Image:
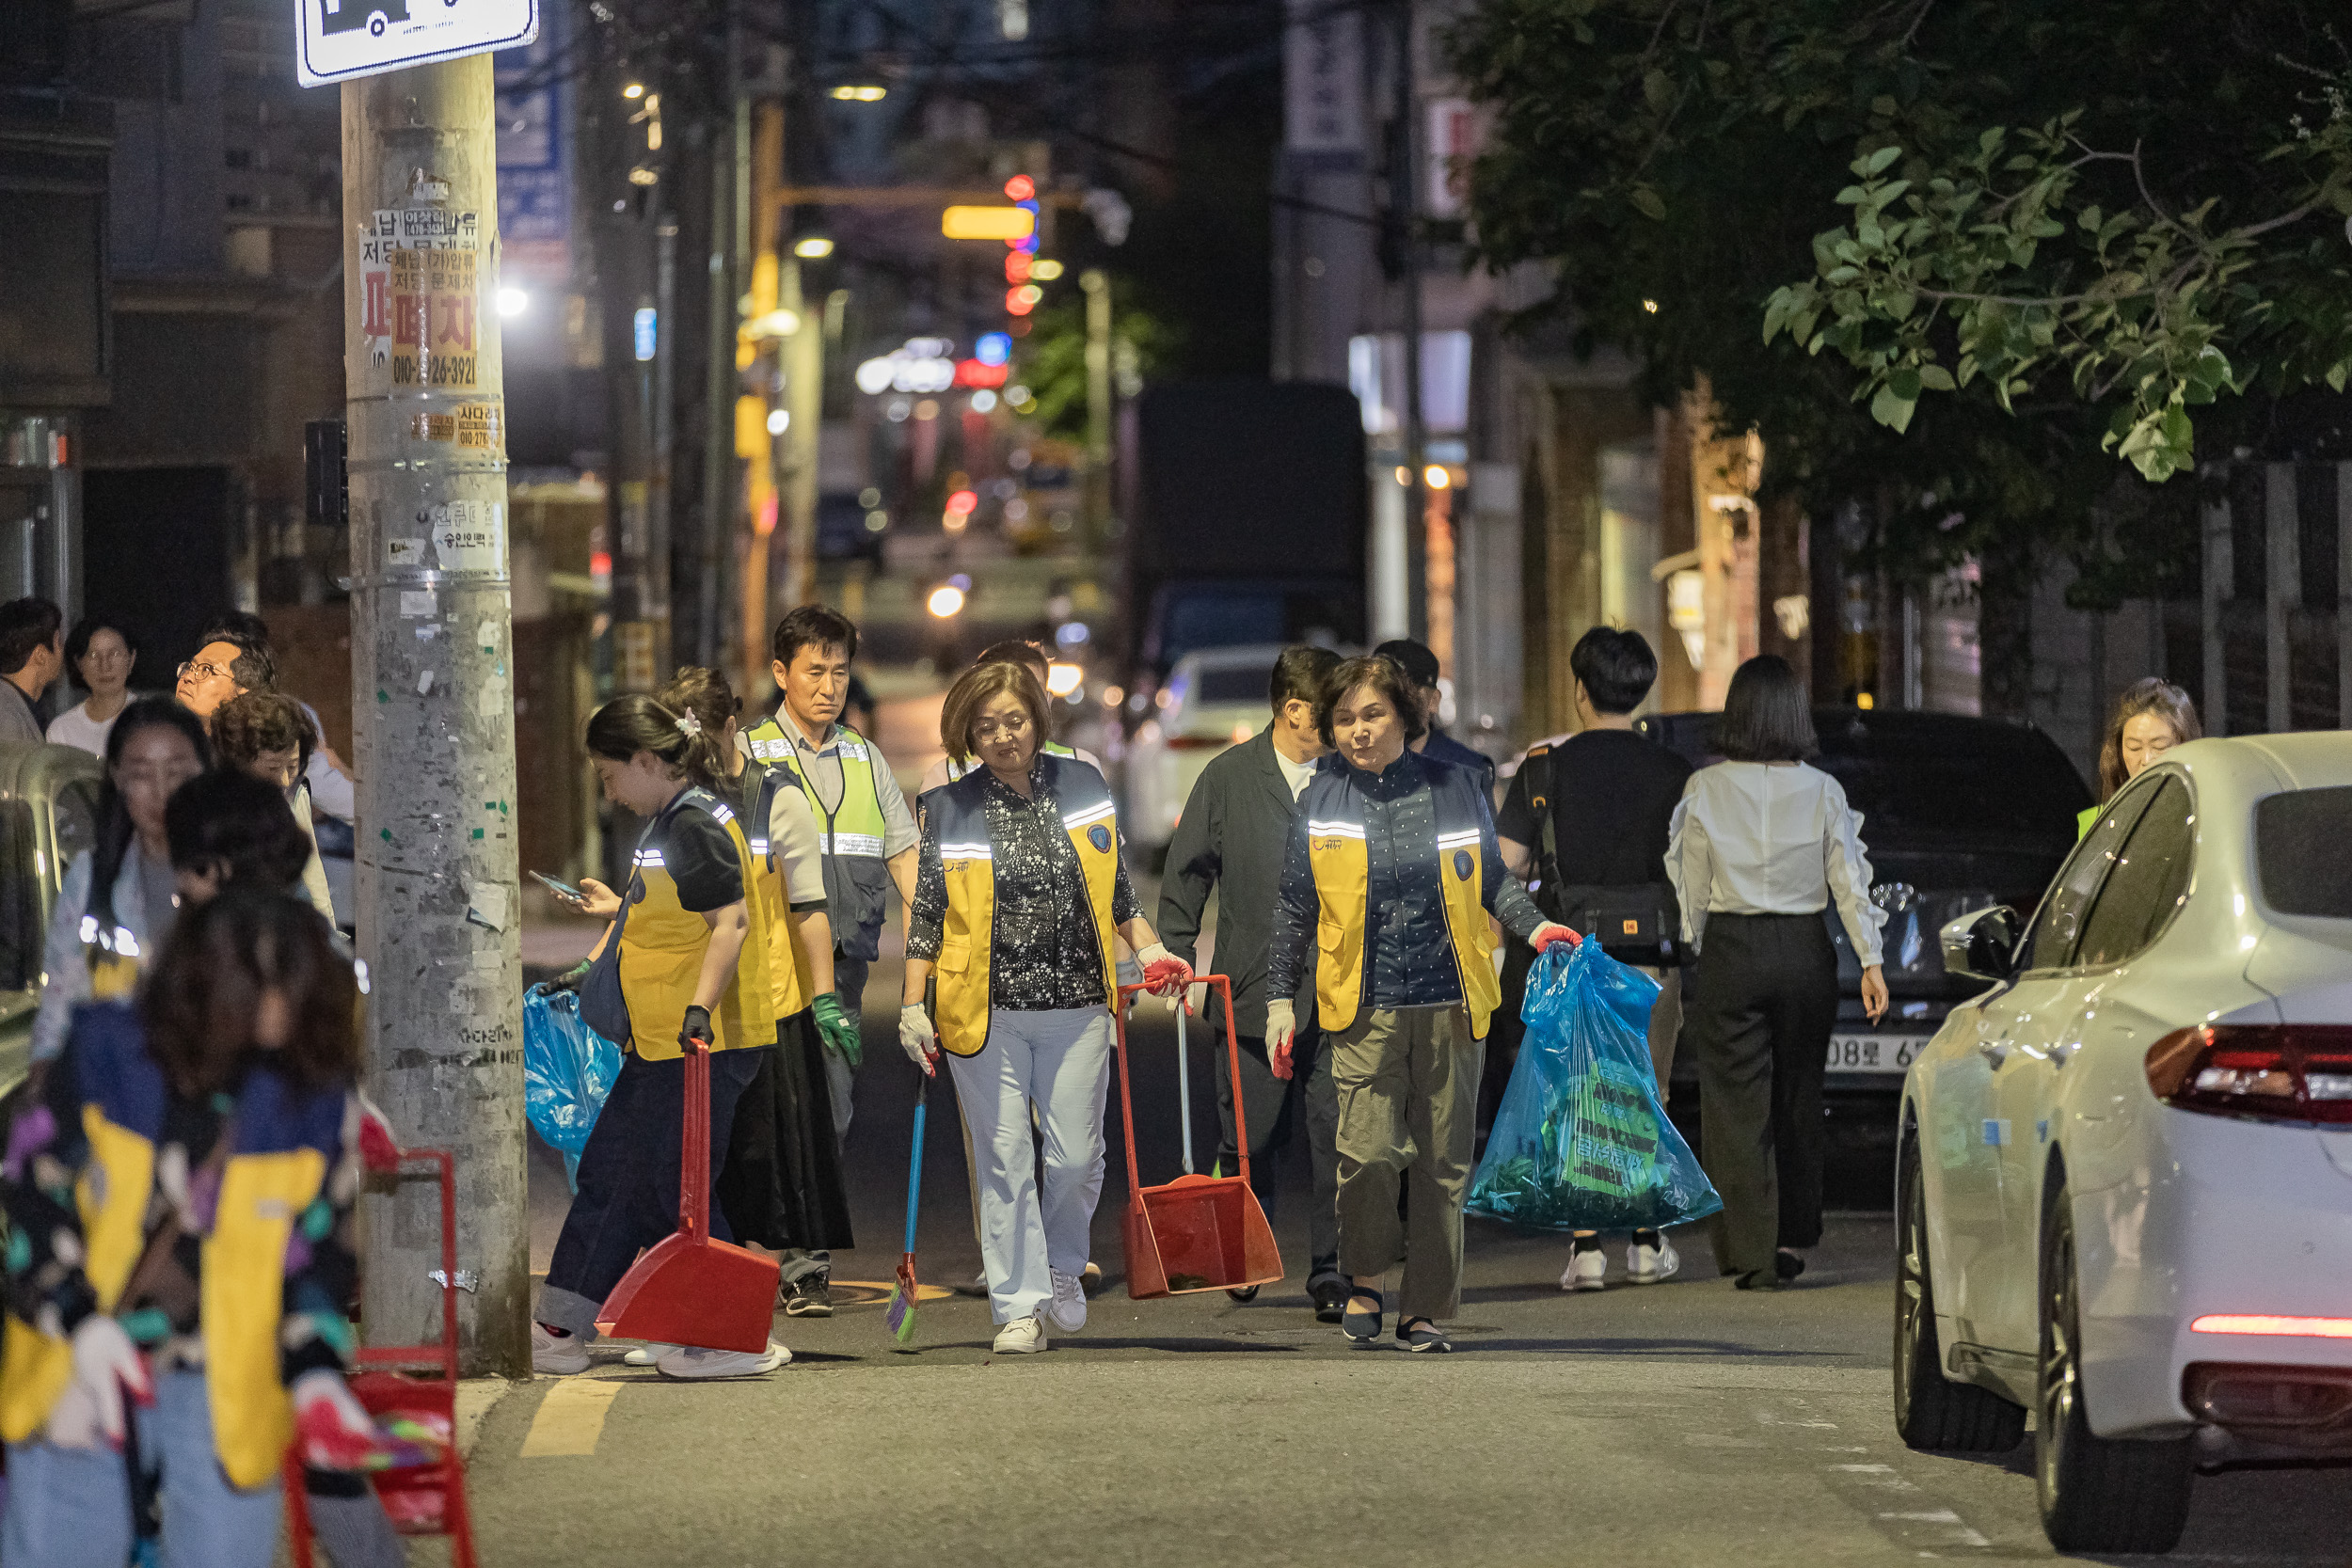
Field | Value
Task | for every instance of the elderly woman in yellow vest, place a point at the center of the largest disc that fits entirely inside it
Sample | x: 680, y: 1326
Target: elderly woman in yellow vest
x: 179, y: 1186
x: 1017, y: 895
x: 693, y: 965
x: 1392, y: 873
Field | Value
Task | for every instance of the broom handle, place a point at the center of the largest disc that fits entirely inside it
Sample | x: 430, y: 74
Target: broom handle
x: 1184, y: 1082
x: 914, y: 1171
x: 693, y: 1177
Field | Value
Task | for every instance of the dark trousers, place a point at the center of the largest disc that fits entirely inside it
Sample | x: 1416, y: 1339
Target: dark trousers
x: 1277, y: 1110
x: 629, y: 1179
x: 1765, y: 998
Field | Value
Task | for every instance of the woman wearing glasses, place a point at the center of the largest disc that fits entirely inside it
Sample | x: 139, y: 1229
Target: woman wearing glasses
x: 101, y: 657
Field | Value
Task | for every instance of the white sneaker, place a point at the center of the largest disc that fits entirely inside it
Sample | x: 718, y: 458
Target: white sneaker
x: 1647, y: 1266
x: 557, y: 1357
x: 1068, y: 1306
x: 694, y: 1363
x: 1586, y: 1270
x: 647, y: 1354
x: 1021, y: 1336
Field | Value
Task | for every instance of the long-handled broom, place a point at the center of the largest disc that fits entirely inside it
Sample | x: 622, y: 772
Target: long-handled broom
x: 899, y: 1317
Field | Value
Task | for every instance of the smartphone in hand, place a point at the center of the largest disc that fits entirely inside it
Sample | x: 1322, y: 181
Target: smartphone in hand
x: 560, y: 888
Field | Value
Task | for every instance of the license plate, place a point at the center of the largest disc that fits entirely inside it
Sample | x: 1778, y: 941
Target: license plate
x: 1886, y: 1053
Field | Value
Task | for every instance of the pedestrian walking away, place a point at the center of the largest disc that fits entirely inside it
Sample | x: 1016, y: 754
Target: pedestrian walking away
x: 781, y: 1187
x: 237, y: 1067
x: 32, y: 652
x: 1021, y: 890
x: 99, y: 658
x: 1389, y: 877
x: 865, y: 830
x: 1230, y: 842
x: 1421, y: 668
x: 116, y: 903
x: 2151, y: 717
x: 1587, y: 822
x: 1761, y: 845
x: 690, y: 950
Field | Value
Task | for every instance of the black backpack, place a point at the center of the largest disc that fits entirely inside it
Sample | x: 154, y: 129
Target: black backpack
x: 1639, y: 924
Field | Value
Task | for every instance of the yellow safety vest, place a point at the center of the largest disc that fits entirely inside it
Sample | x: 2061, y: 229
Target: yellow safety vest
x: 662, y: 945
x: 852, y: 835
x: 788, y: 969
x: 1337, y: 854
x: 967, y: 854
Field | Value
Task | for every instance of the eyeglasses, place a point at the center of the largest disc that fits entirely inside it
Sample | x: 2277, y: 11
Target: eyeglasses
x: 210, y: 671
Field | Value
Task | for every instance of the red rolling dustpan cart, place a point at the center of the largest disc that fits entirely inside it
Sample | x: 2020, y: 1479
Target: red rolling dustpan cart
x: 419, y: 1499
x: 1197, y: 1232
x: 686, y: 1289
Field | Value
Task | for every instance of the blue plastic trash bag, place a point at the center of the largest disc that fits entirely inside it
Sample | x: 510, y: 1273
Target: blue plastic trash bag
x: 1580, y: 1142
x: 567, y: 1071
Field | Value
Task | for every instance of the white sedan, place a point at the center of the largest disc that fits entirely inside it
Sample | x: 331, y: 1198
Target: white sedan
x: 1213, y: 699
x: 2124, y: 1197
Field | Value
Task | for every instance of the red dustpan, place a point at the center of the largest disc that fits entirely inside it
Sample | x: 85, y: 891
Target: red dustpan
x: 686, y: 1289
x: 1197, y: 1232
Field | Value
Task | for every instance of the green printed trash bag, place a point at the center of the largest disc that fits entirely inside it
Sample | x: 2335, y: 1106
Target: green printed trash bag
x: 1580, y: 1142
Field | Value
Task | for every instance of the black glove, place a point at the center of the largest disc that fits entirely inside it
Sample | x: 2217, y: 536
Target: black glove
x: 696, y: 1028
x: 571, y: 979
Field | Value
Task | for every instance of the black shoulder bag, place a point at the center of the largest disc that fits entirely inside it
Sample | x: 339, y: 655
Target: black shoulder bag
x: 1638, y: 923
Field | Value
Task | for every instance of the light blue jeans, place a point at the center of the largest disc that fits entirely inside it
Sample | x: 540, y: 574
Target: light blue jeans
x: 71, y: 1508
x: 1058, y: 1063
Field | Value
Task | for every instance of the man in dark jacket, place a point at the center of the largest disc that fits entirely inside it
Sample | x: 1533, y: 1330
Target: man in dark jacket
x: 1420, y: 665
x: 1232, y: 837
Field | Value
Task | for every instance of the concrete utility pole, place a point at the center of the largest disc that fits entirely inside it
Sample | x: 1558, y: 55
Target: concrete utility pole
x: 1097, y: 285
x: 432, y: 695
x: 804, y: 358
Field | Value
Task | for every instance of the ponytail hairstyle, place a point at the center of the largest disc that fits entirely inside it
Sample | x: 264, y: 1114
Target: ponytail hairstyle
x: 687, y: 746
x: 706, y: 695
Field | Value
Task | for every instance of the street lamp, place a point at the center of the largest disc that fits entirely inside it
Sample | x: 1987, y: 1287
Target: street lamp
x: 947, y: 601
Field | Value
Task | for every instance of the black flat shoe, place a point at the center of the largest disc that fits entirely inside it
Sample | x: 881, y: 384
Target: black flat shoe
x: 1786, y: 1265
x: 1331, y: 1299
x: 1422, y: 1336
x: 1361, y: 1328
x: 1759, y: 1280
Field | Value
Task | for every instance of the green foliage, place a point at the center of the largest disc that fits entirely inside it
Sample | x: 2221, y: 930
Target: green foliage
x: 2003, y: 269
x: 1670, y: 162
x: 1052, y: 359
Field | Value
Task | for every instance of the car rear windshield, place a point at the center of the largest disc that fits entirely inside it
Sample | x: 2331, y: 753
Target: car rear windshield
x: 2299, y: 851
x: 1956, y: 782
x: 1226, y: 684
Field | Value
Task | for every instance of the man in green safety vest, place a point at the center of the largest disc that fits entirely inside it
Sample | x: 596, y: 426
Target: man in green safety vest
x: 865, y: 832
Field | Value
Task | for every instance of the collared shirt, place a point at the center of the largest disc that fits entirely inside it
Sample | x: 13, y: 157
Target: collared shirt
x: 821, y: 769
x: 1044, y: 953
x: 1409, y: 949
x: 1771, y: 838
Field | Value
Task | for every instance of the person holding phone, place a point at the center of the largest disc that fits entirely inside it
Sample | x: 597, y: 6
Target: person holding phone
x: 693, y: 971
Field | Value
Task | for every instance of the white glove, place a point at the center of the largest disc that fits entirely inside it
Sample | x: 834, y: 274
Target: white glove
x: 1281, y: 1027
x: 89, y: 1414
x: 916, y: 1039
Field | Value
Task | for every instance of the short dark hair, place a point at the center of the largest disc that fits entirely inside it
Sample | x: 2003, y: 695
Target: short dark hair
x: 1616, y: 666
x: 237, y: 827
x: 210, y: 979
x: 1384, y: 676
x: 77, y: 644
x: 1301, y: 672
x: 236, y: 626
x: 1767, y: 716
x: 814, y: 625
x: 26, y: 627
x: 253, y: 669
x: 1015, y: 650
x: 1415, y: 659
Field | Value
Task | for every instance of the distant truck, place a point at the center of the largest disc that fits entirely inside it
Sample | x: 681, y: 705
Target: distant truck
x: 1247, y: 507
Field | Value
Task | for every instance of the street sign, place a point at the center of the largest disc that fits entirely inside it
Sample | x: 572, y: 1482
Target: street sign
x: 343, y: 39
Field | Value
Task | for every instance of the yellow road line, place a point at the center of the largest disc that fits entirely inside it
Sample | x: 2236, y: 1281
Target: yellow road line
x: 571, y: 1417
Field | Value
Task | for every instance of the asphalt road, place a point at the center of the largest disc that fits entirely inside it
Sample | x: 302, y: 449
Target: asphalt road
x: 1678, y: 1423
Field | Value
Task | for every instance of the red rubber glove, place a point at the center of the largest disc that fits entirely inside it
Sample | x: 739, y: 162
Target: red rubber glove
x: 1282, y: 1033
x: 1552, y: 932
x: 1164, y: 974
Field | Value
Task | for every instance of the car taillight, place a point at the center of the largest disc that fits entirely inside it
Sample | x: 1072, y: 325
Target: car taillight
x: 1197, y: 742
x: 2269, y: 1072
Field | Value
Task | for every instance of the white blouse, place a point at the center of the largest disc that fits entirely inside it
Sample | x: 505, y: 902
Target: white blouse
x: 1765, y: 838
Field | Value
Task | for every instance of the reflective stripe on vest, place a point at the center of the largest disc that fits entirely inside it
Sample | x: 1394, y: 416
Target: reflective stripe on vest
x: 1340, y: 860
x: 662, y: 946
x: 851, y: 837
x: 967, y: 854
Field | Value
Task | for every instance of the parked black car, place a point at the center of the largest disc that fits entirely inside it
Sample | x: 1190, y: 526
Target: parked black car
x: 1958, y: 813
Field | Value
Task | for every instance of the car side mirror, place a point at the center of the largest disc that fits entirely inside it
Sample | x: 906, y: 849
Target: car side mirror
x: 1983, y: 946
